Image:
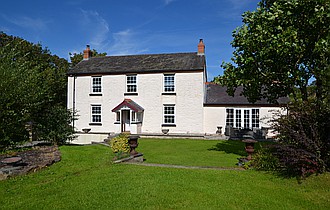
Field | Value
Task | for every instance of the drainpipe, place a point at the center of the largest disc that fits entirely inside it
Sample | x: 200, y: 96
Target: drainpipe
x: 74, y: 101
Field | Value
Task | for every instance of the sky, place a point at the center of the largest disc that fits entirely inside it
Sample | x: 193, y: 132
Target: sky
x: 127, y: 27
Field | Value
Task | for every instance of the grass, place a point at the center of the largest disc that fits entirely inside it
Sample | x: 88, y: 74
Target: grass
x: 192, y: 152
x: 86, y: 179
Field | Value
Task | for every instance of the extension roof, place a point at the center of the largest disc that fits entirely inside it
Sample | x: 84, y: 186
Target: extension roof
x: 151, y: 63
x: 217, y: 95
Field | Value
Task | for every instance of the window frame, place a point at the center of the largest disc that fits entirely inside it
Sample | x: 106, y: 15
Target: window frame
x: 169, y: 118
x: 130, y: 84
x: 96, y: 86
x: 247, y: 118
x: 230, y: 119
x: 243, y: 118
x: 118, y: 116
x: 255, y: 118
x: 139, y: 116
x: 169, y: 85
x: 96, y: 115
x: 238, y: 118
x: 133, y: 116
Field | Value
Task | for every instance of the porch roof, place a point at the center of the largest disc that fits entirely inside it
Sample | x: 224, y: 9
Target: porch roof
x: 130, y: 104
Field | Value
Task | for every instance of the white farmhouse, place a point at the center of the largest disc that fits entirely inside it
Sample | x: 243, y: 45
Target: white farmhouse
x: 152, y: 95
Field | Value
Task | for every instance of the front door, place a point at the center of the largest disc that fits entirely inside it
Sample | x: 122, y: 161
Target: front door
x: 125, y: 120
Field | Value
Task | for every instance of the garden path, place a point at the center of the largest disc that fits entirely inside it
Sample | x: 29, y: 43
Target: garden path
x: 180, y: 166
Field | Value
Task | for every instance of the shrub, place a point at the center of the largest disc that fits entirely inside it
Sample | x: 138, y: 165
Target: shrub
x: 264, y: 160
x: 296, y: 162
x: 120, y: 144
x: 304, y: 139
x: 58, y: 130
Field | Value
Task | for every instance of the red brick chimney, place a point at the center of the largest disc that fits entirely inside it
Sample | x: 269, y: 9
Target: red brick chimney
x: 87, y: 53
x: 201, y: 47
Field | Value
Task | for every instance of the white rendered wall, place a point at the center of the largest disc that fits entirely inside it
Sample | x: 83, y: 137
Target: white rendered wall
x: 188, y: 102
x: 269, y: 113
x: 190, y: 115
x: 87, y: 138
x: 216, y: 116
x: 70, y: 93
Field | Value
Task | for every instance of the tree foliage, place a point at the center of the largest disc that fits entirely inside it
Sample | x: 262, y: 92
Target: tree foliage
x: 282, y: 45
x: 279, y: 49
x: 304, y: 141
x: 77, y: 57
x: 33, y: 90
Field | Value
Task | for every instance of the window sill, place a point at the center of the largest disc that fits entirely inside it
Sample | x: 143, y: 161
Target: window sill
x: 168, y: 125
x: 131, y: 123
x: 98, y: 124
x: 131, y: 94
x: 136, y: 122
x: 95, y: 94
x: 169, y: 94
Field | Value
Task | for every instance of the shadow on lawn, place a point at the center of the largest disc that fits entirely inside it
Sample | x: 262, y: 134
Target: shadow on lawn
x: 230, y: 146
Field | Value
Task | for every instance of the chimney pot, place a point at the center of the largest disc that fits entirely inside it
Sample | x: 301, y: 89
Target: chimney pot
x: 87, y: 53
x: 201, y: 47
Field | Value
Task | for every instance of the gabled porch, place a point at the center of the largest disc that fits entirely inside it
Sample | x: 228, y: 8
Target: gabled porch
x: 129, y: 117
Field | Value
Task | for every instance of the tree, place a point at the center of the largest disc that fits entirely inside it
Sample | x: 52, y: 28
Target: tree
x: 281, y: 46
x: 77, y: 57
x: 33, y: 90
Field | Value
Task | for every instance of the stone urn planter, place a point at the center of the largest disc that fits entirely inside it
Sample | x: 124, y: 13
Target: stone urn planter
x: 86, y: 130
x: 219, y: 130
x: 165, y: 131
x: 133, y: 144
x: 249, y: 147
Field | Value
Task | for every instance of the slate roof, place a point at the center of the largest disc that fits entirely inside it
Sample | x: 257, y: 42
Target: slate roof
x: 217, y: 95
x: 149, y: 63
x: 129, y: 103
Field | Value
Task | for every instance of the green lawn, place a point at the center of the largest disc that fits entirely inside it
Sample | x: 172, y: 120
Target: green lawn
x: 192, y: 152
x: 86, y: 179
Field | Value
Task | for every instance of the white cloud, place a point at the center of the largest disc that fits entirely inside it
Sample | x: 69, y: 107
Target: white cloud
x: 167, y: 2
x: 97, y: 32
x: 28, y: 22
x: 127, y: 43
x: 97, y: 29
x: 238, y: 4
